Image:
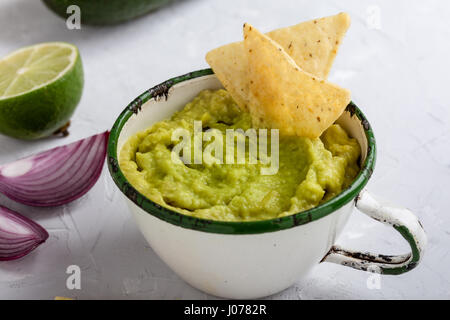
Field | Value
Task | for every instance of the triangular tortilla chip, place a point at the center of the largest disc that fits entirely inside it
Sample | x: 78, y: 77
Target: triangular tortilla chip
x: 313, y: 45
x: 229, y: 64
x: 283, y: 96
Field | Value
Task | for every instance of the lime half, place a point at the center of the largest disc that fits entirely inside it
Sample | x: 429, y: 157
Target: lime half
x: 40, y: 87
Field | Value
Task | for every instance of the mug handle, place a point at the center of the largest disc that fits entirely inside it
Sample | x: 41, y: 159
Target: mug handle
x: 403, y: 220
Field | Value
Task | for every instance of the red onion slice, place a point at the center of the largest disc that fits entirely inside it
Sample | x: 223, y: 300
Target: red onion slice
x: 57, y: 176
x: 18, y: 235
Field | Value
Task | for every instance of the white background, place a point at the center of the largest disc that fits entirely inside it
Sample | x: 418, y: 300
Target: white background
x: 397, y: 70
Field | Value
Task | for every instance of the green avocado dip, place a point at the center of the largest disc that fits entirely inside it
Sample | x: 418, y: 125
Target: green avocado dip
x: 310, y: 171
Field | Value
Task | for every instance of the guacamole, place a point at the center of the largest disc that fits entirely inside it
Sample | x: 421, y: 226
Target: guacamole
x: 310, y: 171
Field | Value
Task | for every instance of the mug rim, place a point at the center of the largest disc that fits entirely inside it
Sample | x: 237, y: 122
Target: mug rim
x: 230, y: 227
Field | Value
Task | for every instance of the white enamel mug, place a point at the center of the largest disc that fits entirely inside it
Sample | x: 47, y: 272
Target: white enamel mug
x: 247, y: 260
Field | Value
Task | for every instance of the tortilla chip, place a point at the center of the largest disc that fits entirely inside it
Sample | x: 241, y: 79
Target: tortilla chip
x: 230, y: 66
x: 283, y: 96
x: 313, y: 45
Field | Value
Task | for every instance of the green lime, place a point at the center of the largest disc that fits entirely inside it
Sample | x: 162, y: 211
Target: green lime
x: 40, y: 87
x: 101, y: 12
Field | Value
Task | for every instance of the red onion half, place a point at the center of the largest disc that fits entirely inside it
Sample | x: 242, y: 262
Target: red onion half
x: 18, y: 235
x: 57, y: 176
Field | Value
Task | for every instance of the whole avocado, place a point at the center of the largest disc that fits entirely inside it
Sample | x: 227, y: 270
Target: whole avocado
x: 103, y: 12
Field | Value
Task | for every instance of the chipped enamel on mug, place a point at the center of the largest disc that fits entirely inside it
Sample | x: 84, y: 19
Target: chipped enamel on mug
x: 247, y: 260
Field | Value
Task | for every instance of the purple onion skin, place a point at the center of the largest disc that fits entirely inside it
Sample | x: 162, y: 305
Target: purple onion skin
x: 18, y: 235
x: 57, y: 176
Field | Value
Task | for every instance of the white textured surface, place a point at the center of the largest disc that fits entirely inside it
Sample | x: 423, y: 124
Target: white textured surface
x: 398, y: 76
